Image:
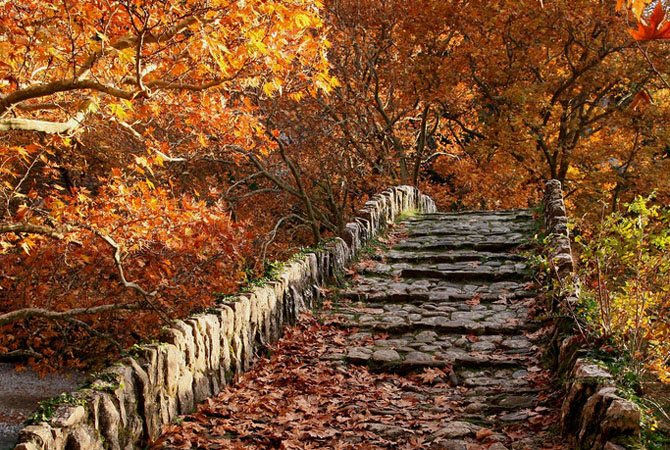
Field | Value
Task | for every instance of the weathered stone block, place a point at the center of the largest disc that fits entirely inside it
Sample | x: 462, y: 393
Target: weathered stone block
x: 260, y: 313
x: 213, y: 330
x: 236, y: 359
x: 227, y: 318
x: 185, y: 400
x: 172, y: 361
x: 68, y: 416
x: 199, y: 326
x: 107, y: 420
x: 356, y: 233
x: 174, y: 337
x: 313, y: 268
x: 83, y: 438
x: 225, y: 355
x: 188, y: 343
x: 125, y: 400
x: 145, y: 396
x: 151, y: 362
x: 39, y: 435
x: 621, y: 418
x: 242, y: 313
x: 202, y: 387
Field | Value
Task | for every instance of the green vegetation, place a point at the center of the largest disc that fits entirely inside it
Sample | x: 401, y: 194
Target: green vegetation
x: 47, y: 408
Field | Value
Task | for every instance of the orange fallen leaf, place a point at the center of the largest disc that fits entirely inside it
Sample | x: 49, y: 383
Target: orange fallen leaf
x: 641, y: 100
x: 484, y: 433
x: 653, y: 30
x: 475, y: 300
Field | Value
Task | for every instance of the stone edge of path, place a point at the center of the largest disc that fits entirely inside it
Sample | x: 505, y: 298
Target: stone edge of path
x: 593, y: 416
x: 131, y: 400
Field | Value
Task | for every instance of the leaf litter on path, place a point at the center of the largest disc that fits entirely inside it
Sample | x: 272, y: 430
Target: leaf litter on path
x: 301, y: 399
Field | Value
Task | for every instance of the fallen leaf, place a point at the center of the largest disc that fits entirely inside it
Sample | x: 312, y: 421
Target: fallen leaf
x: 654, y: 30
x: 484, y: 433
x: 475, y: 300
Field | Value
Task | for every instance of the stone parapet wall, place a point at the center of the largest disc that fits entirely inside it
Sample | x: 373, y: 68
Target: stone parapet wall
x: 128, y: 403
x: 593, y: 416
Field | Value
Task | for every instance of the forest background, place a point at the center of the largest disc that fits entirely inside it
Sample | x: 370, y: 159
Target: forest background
x: 158, y: 154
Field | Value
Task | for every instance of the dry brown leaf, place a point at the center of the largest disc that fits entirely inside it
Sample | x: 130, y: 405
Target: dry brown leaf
x: 484, y: 433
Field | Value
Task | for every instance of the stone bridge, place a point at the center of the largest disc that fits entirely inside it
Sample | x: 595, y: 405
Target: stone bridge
x: 452, y: 291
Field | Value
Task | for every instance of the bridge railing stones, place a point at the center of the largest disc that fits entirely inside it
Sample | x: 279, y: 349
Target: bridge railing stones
x: 593, y: 416
x: 128, y: 404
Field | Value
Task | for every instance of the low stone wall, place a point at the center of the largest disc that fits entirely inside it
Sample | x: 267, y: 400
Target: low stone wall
x: 128, y: 403
x: 593, y: 416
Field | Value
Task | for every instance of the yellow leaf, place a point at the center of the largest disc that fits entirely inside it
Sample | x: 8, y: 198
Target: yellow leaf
x: 297, y: 96
x: 271, y: 87
x: 119, y: 111
x: 302, y: 20
x: 202, y: 140
x: 127, y: 55
x: 26, y: 245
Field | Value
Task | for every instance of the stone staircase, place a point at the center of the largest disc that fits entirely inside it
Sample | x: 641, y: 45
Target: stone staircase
x: 453, y: 293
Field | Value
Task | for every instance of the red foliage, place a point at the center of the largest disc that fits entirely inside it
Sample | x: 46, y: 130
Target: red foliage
x: 656, y: 29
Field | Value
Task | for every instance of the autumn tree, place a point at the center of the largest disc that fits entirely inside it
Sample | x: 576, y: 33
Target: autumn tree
x: 559, y: 90
x: 102, y: 105
x: 381, y: 122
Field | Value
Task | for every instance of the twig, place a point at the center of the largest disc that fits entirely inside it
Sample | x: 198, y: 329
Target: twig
x: 651, y: 64
x: 95, y: 332
x: 25, y: 313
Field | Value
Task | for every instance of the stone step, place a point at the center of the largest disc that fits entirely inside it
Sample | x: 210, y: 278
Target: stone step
x: 472, y: 370
x: 458, y: 215
x: 399, y: 319
x: 490, y: 271
x: 434, y: 297
x: 388, y: 360
x: 383, y: 289
x: 483, y: 231
x: 473, y: 225
x: 452, y: 256
x: 478, y: 216
x: 431, y: 342
x: 469, y: 242
x: 479, y: 273
x: 444, y: 326
x: 498, y: 400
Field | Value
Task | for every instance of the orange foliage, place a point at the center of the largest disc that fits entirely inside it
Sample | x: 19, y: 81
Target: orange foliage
x: 155, y: 152
x: 102, y: 107
x: 656, y: 29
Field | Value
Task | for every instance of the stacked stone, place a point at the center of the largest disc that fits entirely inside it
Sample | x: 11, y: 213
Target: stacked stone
x: 129, y: 403
x: 556, y: 222
x: 593, y: 416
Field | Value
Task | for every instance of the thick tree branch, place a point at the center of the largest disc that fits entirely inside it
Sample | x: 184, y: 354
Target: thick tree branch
x: 54, y: 87
x: 25, y: 227
x: 43, y: 126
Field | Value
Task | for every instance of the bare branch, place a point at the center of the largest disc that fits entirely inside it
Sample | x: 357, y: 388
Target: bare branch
x: 25, y: 313
x: 15, y: 355
x: 95, y: 332
x: 116, y: 248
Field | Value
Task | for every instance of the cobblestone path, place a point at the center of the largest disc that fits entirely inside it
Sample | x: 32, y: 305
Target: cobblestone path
x: 440, y: 350
x: 454, y: 293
